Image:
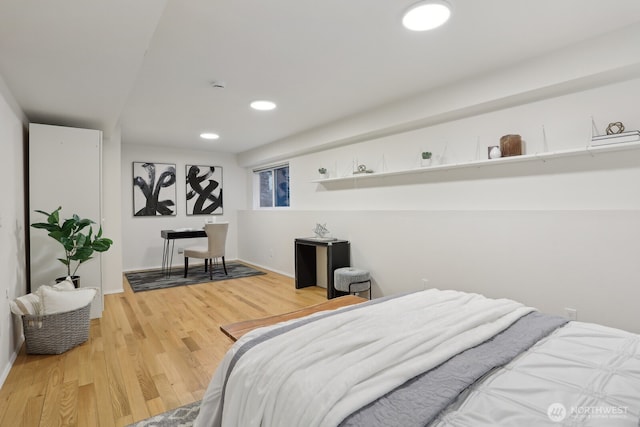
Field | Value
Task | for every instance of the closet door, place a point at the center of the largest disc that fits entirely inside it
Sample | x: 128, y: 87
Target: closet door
x: 64, y: 170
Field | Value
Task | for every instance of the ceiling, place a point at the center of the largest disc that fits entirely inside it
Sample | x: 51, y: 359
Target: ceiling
x: 147, y: 65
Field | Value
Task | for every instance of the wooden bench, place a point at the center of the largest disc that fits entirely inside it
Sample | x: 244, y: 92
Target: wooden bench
x: 238, y: 329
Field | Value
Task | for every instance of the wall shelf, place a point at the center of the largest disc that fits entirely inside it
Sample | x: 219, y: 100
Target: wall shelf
x: 543, y: 157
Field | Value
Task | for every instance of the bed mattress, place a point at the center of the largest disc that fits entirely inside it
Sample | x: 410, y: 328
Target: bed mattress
x: 344, y: 367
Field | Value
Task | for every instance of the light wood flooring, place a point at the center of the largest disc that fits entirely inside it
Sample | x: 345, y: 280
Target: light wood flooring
x: 150, y: 352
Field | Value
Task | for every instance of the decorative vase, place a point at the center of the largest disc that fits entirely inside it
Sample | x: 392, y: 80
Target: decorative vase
x: 425, y: 162
x: 510, y: 145
x: 495, y: 153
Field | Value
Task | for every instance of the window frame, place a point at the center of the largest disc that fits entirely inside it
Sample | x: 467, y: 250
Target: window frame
x: 257, y: 188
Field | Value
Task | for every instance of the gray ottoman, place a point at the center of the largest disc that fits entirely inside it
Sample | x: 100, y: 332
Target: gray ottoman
x: 352, y: 280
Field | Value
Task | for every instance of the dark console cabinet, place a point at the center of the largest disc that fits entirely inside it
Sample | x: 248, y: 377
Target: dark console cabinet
x: 338, y: 255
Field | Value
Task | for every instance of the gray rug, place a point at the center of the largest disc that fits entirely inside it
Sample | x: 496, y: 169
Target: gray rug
x: 183, y: 416
x: 155, y: 279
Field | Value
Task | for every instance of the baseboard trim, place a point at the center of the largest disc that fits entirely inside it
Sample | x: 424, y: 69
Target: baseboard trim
x: 12, y: 360
x: 264, y: 267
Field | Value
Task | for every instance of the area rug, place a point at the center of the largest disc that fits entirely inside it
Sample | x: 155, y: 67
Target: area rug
x: 156, y: 279
x: 183, y: 416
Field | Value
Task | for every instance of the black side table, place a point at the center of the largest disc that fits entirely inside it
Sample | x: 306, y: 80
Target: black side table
x: 338, y: 256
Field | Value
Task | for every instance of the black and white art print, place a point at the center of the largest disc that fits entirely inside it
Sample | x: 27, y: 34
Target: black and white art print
x: 204, y: 190
x: 154, y: 189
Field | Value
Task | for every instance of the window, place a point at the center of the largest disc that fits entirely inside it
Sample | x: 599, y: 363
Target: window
x: 271, y: 186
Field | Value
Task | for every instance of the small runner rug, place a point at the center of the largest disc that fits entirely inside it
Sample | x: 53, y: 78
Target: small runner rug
x: 155, y: 279
x: 183, y: 416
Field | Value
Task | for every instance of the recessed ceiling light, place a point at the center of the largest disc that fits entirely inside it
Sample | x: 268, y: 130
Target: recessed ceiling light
x: 263, y: 105
x: 426, y: 15
x: 209, y: 136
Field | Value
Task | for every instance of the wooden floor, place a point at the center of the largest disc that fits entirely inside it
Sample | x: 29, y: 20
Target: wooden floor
x: 150, y: 352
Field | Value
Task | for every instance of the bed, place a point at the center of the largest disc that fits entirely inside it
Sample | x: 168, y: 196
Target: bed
x: 436, y: 358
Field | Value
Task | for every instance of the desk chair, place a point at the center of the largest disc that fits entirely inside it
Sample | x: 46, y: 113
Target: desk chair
x: 217, y: 238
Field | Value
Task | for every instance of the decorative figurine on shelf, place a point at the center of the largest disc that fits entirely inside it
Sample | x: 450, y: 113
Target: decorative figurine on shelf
x: 363, y: 169
x: 321, y: 230
x: 494, y: 152
x: 615, y: 127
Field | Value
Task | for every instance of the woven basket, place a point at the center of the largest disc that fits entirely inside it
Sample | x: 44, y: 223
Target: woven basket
x: 56, y: 333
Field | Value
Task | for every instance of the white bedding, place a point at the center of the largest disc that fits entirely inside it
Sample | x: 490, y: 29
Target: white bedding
x: 314, y: 383
x: 591, y: 372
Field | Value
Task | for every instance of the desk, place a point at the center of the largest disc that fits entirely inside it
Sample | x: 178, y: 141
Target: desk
x: 305, y: 258
x: 170, y: 237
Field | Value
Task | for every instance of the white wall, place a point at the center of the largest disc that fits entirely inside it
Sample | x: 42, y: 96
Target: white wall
x: 142, y: 244
x: 546, y: 259
x: 554, y: 234
x: 13, y: 281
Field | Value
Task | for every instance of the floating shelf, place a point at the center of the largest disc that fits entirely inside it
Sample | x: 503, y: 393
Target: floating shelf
x: 591, y: 150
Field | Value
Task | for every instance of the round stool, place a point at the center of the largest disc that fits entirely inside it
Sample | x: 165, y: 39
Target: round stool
x: 352, y: 280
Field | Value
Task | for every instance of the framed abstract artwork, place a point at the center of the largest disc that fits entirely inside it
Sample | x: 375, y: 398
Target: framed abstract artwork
x: 204, y: 190
x: 154, y: 189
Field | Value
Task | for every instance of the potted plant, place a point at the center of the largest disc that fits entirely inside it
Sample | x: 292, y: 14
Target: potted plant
x: 78, y: 243
x: 426, y: 158
x: 323, y: 172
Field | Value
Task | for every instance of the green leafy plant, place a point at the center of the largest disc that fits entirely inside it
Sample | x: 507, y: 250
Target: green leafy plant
x: 322, y: 171
x: 78, y: 246
x: 426, y: 155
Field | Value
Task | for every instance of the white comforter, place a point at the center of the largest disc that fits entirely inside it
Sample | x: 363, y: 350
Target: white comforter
x: 319, y: 373
x: 582, y: 374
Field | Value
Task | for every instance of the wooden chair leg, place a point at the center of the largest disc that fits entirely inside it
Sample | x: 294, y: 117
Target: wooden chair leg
x: 206, y: 261
x: 225, y: 267
x: 186, y: 266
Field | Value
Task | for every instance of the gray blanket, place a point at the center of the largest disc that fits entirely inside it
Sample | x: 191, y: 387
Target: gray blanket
x: 418, y: 401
